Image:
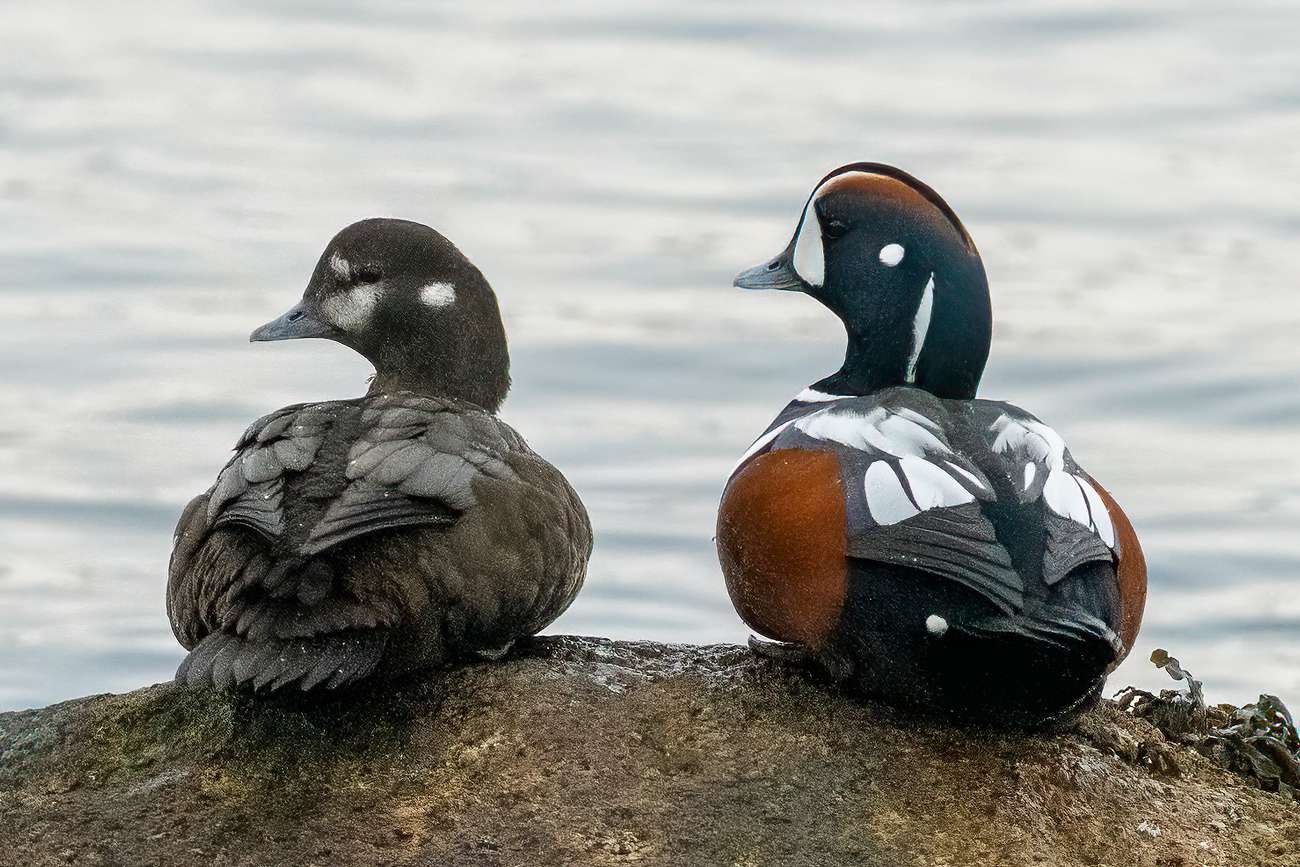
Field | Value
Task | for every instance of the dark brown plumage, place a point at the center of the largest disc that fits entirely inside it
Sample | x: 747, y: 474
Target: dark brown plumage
x: 371, y: 537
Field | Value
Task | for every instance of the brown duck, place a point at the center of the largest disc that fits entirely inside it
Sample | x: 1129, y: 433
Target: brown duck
x: 409, y: 528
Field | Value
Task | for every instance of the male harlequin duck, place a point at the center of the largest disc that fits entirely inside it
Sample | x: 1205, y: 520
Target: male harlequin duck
x: 409, y: 528
x: 932, y: 548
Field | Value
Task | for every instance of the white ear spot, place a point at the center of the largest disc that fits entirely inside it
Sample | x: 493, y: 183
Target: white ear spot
x: 438, y: 294
x: 341, y: 267
x: 891, y: 254
x: 936, y: 625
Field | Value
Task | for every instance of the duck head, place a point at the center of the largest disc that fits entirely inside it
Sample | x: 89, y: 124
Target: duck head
x: 891, y: 259
x: 404, y: 297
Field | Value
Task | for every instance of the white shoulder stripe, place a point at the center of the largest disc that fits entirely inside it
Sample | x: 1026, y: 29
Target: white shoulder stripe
x: 761, y: 442
x: 812, y: 395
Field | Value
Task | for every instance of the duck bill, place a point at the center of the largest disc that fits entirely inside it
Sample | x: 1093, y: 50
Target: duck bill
x: 302, y: 320
x: 775, y: 273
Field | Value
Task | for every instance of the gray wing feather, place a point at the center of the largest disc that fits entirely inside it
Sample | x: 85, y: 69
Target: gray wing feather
x: 249, y: 490
x: 416, y: 462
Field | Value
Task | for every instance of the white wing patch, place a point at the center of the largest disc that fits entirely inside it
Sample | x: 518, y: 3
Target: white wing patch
x: 933, y: 487
x: 896, y: 432
x: 921, y: 478
x: 1069, y: 495
x: 886, y: 498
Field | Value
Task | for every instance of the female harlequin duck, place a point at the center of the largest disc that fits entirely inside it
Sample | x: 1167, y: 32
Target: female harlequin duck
x: 935, y: 549
x: 408, y: 528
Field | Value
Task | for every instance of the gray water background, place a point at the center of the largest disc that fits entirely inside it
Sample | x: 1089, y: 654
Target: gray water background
x: 169, y: 174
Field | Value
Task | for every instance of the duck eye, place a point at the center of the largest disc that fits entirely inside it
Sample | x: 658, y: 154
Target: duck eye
x: 369, y: 274
x: 891, y: 254
x: 835, y: 229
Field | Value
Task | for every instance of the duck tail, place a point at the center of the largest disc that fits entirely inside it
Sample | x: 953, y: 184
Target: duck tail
x: 268, y: 664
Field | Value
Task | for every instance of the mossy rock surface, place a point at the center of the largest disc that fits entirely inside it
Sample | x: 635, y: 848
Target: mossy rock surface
x: 587, y: 751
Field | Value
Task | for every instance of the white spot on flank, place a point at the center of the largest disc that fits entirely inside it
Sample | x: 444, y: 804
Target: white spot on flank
x: 936, y: 625
x: 340, y: 266
x: 438, y: 294
x: 920, y: 327
x: 1031, y: 469
x: 352, y: 309
x: 891, y: 254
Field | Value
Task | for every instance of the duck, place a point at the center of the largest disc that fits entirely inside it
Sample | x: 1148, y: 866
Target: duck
x: 917, y: 543
x: 357, y: 541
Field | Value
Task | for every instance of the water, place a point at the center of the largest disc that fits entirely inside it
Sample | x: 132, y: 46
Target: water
x: 167, y: 181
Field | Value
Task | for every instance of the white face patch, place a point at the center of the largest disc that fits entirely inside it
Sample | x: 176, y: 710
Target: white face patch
x: 920, y: 327
x: 438, y: 294
x: 891, y: 254
x: 809, y: 258
x: 341, y: 267
x: 936, y: 625
x: 351, y: 310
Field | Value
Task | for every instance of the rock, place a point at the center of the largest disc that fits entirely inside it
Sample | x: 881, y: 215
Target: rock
x: 588, y: 751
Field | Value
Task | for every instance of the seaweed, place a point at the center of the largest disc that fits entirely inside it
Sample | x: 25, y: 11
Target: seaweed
x: 1258, y: 741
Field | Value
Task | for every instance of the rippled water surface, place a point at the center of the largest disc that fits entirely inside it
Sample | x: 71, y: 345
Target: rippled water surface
x: 168, y: 177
